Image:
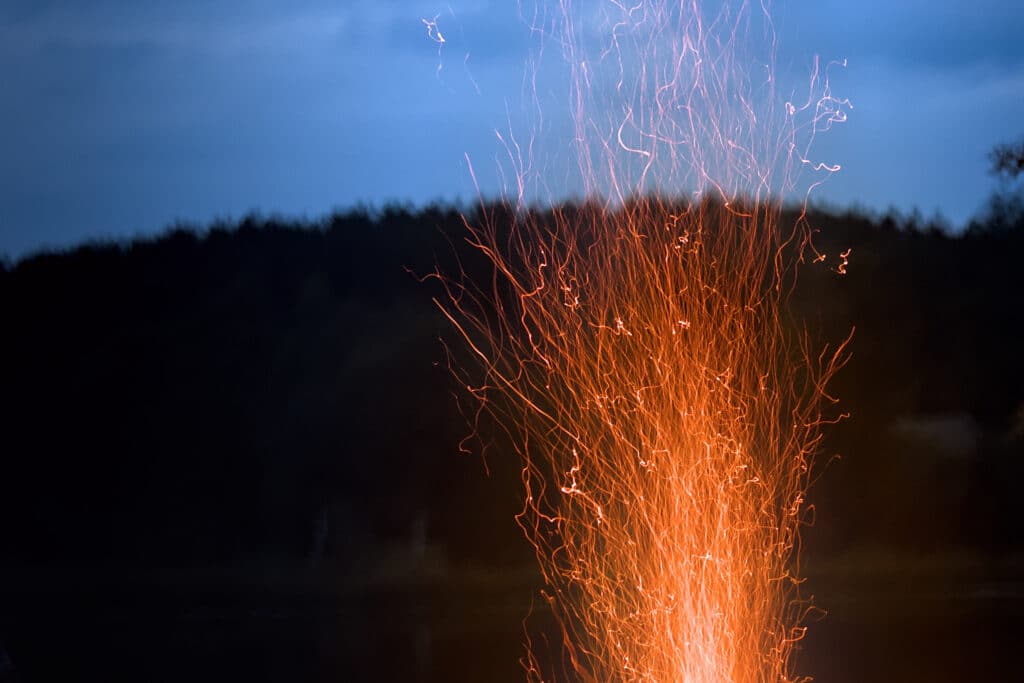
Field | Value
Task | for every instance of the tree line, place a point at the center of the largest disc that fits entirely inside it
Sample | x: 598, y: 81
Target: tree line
x: 205, y: 396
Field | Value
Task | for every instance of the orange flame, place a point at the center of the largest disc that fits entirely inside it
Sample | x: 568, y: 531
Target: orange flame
x: 640, y: 354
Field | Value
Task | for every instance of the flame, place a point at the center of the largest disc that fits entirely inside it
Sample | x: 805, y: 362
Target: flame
x: 639, y: 352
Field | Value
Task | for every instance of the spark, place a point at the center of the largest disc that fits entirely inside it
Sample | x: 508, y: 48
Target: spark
x: 433, y: 30
x: 434, y: 35
x: 638, y: 353
x: 845, y: 256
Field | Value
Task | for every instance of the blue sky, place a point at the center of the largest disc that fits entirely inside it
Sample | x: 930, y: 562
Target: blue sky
x: 120, y: 117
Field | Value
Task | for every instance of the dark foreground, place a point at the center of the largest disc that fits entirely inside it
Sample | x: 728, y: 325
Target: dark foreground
x: 154, y: 631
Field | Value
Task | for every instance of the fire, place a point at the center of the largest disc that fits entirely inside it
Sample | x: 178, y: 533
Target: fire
x: 638, y: 349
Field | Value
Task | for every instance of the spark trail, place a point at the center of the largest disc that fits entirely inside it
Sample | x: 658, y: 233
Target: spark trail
x: 639, y: 351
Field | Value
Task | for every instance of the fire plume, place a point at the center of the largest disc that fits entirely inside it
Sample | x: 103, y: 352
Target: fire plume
x: 640, y: 353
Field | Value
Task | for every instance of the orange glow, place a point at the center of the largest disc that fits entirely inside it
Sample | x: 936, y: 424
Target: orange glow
x: 638, y: 352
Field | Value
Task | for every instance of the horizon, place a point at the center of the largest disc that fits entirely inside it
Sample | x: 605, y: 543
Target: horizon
x: 374, y: 211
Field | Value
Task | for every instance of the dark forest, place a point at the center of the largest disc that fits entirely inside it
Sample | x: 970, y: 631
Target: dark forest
x: 260, y: 412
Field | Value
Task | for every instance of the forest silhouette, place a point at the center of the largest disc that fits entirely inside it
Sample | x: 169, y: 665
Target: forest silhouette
x: 211, y: 396
x: 237, y: 448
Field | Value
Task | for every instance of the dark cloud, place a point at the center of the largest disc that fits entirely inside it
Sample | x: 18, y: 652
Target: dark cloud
x: 918, y: 34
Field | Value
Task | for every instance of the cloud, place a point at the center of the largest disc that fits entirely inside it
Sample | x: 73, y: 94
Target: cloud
x: 166, y: 26
x: 913, y: 34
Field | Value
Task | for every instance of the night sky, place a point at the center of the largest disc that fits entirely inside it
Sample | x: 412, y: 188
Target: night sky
x: 120, y: 117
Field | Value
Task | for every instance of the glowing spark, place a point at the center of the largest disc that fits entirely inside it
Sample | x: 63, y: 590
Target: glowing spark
x: 637, y: 351
x: 433, y: 30
x: 841, y: 269
x: 435, y: 35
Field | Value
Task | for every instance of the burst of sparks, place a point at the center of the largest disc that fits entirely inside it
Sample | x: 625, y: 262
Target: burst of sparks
x: 638, y: 352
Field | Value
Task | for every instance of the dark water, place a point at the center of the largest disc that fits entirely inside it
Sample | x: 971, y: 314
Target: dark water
x: 453, y: 636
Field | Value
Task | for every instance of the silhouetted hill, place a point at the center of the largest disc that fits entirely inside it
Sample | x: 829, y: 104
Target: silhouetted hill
x: 268, y: 391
